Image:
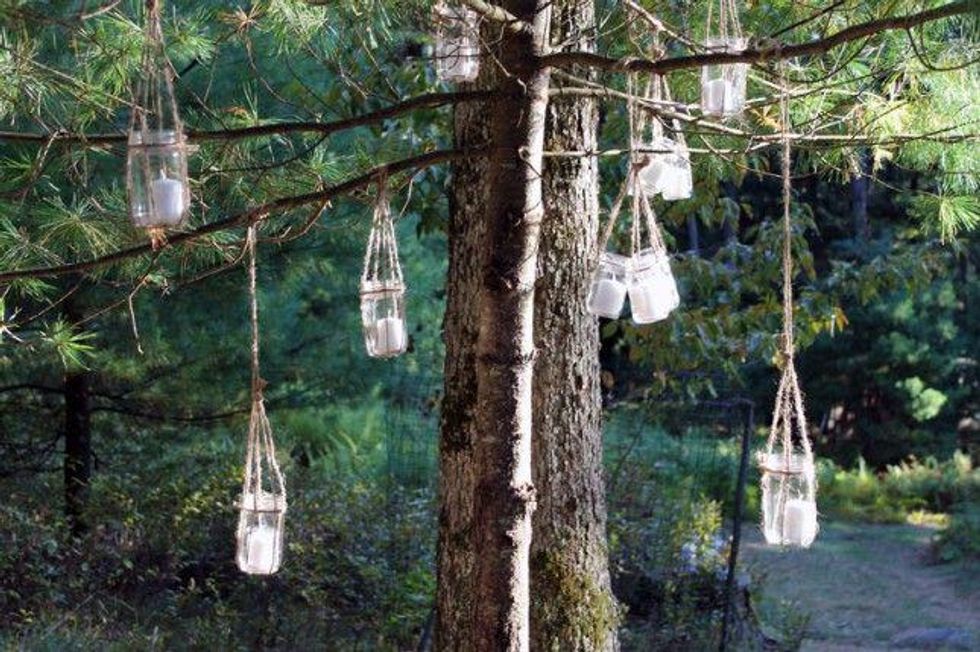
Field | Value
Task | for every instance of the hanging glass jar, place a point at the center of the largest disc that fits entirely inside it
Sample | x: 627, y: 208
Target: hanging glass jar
x: 607, y: 294
x: 382, y: 287
x: 723, y: 85
x: 457, y: 42
x: 156, y: 160
x: 789, y: 479
x: 653, y: 290
x: 262, y: 504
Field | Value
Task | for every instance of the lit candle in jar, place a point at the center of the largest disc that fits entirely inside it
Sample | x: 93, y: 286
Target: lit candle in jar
x: 646, y: 303
x: 653, y: 176
x: 389, y: 336
x: 261, y: 546
x: 799, y: 522
x: 716, y: 96
x: 168, y: 200
x: 608, y: 296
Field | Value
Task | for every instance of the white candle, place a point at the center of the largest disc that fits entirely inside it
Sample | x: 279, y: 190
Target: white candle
x: 646, y: 303
x: 653, y: 176
x: 608, y: 296
x: 168, y: 200
x: 261, y: 546
x: 799, y: 522
x: 716, y: 95
x: 389, y: 336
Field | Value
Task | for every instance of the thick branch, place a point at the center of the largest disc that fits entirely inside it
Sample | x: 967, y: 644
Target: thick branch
x: 758, y: 54
x: 427, y: 101
x: 257, y: 214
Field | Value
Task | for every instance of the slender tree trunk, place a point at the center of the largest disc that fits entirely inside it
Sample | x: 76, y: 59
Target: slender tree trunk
x: 486, y: 491
x: 505, y: 343
x: 860, y: 187
x: 78, y: 449
x: 572, y: 607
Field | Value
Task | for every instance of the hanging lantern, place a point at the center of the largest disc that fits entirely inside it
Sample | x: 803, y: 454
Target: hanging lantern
x: 645, y: 276
x: 382, y: 287
x: 666, y: 169
x: 608, y: 291
x: 156, y: 161
x: 262, y: 504
x: 652, y: 290
x: 723, y: 85
x: 789, y: 506
x: 457, y: 42
x: 789, y: 479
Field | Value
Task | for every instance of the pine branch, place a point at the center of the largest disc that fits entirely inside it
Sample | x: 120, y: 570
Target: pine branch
x: 775, y: 51
x: 427, y: 101
x: 258, y: 214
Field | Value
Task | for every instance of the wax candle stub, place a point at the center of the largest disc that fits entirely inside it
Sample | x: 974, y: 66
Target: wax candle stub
x: 389, y: 336
x: 646, y: 304
x: 608, y: 296
x: 653, y: 176
x: 168, y: 200
x: 799, y: 522
x: 261, y: 546
x: 716, y: 92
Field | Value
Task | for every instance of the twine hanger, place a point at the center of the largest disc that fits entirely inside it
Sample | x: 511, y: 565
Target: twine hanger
x: 381, y: 262
x: 789, y: 410
x: 729, y: 24
x: 260, y: 447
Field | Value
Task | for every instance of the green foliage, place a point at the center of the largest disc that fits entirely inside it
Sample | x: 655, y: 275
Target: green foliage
x: 961, y: 539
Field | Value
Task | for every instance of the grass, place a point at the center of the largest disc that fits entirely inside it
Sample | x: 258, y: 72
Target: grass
x: 862, y: 584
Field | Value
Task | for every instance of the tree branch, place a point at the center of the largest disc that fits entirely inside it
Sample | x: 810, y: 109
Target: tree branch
x: 252, y: 216
x: 427, y: 101
x: 758, y: 54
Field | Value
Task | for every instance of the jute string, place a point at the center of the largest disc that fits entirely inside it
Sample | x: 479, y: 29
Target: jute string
x: 642, y: 211
x: 381, y: 260
x: 260, y: 447
x: 788, y: 409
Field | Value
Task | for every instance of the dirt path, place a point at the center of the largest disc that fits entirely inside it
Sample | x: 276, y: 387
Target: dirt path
x: 864, y: 584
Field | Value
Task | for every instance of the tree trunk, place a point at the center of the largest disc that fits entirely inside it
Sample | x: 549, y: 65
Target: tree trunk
x: 572, y: 607
x: 860, y: 187
x: 487, y: 500
x: 466, y: 234
x: 78, y: 449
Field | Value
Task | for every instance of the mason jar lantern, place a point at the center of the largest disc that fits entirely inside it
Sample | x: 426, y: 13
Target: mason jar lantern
x: 789, y: 506
x: 608, y: 291
x: 156, y: 157
x: 723, y: 85
x: 261, y: 522
x: 383, y: 318
x: 652, y: 288
x: 457, y: 42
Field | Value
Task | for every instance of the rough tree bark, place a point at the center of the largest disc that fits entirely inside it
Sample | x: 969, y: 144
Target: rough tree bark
x: 572, y: 607
x: 487, y: 501
x: 466, y: 231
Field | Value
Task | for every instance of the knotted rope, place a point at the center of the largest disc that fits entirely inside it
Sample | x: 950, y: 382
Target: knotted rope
x: 260, y: 447
x: 381, y: 261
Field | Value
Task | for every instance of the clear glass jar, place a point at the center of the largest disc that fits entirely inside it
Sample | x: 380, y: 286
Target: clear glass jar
x: 668, y: 170
x: 652, y: 288
x: 156, y: 176
x: 789, y: 506
x: 261, y: 522
x: 383, y: 318
x: 723, y: 86
x: 457, y: 43
x: 608, y: 291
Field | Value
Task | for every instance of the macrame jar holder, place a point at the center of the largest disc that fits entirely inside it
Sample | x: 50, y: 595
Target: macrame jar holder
x: 457, y: 42
x: 156, y: 160
x: 382, y: 287
x: 723, y: 85
x: 789, y: 479
x: 262, y: 504
x: 666, y: 167
x: 645, y: 276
